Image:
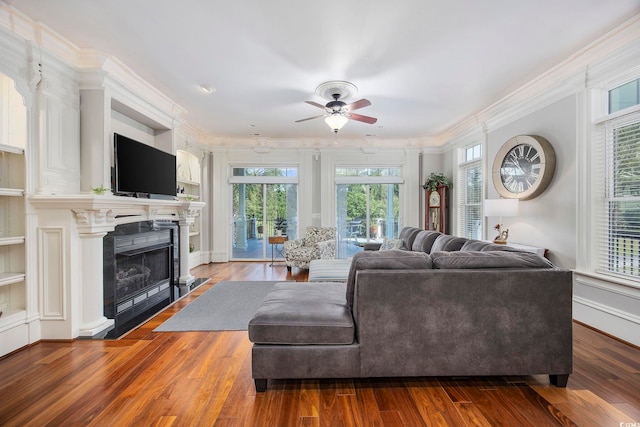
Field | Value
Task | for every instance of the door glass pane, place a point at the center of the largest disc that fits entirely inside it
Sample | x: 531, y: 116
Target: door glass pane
x: 365, y: 213
x: 351, y: 219
x: 281, y: 212
x: 384, y: 211
x: 260, y: 211
x: 248, y: 228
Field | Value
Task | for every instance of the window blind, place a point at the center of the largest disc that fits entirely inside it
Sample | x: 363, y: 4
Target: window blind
x: 616, y: 193
x: 470, y: 199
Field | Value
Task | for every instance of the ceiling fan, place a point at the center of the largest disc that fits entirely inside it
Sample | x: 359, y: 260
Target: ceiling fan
x: 337, y: 112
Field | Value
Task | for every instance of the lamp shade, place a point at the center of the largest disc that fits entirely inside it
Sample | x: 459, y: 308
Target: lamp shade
x: 501, y: 207
x: 336, y: 121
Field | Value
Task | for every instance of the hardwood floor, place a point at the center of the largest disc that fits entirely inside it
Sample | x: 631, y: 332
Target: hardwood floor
x: 204, y: 378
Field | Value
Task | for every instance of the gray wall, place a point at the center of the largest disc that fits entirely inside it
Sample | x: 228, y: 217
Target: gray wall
x: 549, y: 220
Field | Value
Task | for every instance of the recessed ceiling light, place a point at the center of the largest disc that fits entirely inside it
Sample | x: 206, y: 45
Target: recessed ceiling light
x: 207, y: 89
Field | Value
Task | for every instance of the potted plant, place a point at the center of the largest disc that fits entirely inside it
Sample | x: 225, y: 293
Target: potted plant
x: 100, y: 190
x: 436, y: 179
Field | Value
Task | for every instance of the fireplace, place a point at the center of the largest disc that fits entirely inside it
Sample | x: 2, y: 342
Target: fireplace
x: 139, y: 272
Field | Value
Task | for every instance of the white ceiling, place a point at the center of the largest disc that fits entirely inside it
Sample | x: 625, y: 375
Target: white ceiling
x: 424, y: 64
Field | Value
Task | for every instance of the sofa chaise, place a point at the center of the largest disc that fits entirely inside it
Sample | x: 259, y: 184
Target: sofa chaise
x: 466, y: 309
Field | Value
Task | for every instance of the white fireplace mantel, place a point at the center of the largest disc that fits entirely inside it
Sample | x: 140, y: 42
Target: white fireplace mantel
x: 72, y: 266
x: 107, y: 210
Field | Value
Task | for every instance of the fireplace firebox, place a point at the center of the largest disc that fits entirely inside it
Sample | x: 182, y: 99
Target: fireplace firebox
x: 139, y: 272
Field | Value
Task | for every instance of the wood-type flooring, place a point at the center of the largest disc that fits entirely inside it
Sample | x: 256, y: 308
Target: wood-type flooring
x: 204, y: 379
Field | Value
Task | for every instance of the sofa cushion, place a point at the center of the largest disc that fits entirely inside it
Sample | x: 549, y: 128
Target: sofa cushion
x: 394, y: 259
x: 424, y: 241
x: 303, y: 313
x: 488, y: 259
x: 388, y: 244
x: 479, y: 245
x: 448, y: 243
x: 408, y: 235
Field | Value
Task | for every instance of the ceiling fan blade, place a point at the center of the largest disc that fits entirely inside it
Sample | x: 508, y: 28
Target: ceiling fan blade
x: 310, y: 118
x: 358, y: 104
x: 361, y: 118
x: 315, y: 104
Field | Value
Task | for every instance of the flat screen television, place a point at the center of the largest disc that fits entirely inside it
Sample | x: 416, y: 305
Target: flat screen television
x: 142, y: 170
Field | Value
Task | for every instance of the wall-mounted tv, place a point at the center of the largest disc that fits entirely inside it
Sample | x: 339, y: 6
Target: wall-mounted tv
x: 142, y: 170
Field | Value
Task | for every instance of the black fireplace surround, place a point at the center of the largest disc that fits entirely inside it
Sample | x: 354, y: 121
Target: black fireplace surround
x: 140, y: 272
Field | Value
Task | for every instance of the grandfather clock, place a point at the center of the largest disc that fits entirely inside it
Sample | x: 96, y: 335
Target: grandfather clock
x: 437, y: 209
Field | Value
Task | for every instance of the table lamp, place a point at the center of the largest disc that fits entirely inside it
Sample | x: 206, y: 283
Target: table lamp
x: 500, y: 208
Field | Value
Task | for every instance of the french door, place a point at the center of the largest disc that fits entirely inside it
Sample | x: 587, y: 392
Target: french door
x: 260, y: 209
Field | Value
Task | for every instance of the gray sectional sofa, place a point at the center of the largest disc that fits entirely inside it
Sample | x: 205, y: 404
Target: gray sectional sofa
x: 448, y: 307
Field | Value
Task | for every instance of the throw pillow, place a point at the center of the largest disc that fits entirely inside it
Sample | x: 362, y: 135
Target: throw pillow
x: 388, y: 244
x: 424, y: 241
x: 447, y: 243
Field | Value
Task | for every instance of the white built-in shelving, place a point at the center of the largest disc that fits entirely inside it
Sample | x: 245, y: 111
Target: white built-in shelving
x: 188, y: 179
x: 13, y: 304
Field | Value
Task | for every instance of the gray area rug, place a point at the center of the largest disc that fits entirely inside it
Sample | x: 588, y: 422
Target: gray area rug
x: 227, y: 306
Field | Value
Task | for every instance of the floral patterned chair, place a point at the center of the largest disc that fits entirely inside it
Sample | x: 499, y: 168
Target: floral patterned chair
x: 318, y: 243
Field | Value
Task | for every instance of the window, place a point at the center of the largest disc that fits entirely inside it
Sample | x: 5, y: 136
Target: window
x: 289, y: 172
x: 619, y: 216
x: 624, y: 96
x: 368, y: 172
x: 470, y: 192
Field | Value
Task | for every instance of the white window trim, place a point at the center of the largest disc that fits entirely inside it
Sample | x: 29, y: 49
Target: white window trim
x: 591, y: 117
x: 369, y: 180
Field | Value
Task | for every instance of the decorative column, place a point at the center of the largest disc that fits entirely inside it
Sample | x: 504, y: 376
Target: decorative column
x: 241, y: 221
x: 389, y: 229
x: 93, y: 225
x: 186, y: 215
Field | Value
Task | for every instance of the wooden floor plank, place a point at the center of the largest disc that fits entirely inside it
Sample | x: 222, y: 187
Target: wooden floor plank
x: 204, y: 378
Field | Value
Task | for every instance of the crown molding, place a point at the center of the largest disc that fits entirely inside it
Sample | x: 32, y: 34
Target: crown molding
x: 92, y: 68
x: 357, y: 143
x: 565, y: 79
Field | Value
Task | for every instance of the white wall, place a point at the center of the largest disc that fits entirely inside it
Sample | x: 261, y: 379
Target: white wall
x: 316, y: 185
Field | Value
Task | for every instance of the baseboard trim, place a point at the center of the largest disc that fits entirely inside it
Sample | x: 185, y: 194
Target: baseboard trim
x: 621, y: 325
x: 613, y: 337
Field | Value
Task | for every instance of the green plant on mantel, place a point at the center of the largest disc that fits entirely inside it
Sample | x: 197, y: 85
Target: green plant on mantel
x: 100, y: 190
x: 436, y: 179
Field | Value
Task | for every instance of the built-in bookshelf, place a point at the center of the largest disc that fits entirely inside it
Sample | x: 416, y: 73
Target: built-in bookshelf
x: 188, y: 181
x: 13, y: 292
x: 12, y: 251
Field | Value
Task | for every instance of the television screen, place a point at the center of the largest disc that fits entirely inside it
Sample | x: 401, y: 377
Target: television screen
x: 141, y: 168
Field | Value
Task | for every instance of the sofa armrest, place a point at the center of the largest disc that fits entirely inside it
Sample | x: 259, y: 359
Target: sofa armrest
x: 293, y: 244
x: 371, y: 246
x: 326, y: 249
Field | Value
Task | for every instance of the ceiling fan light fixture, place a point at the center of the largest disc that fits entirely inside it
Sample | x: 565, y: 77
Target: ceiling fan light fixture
x: 336, y: 121
x: 207, y: 89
